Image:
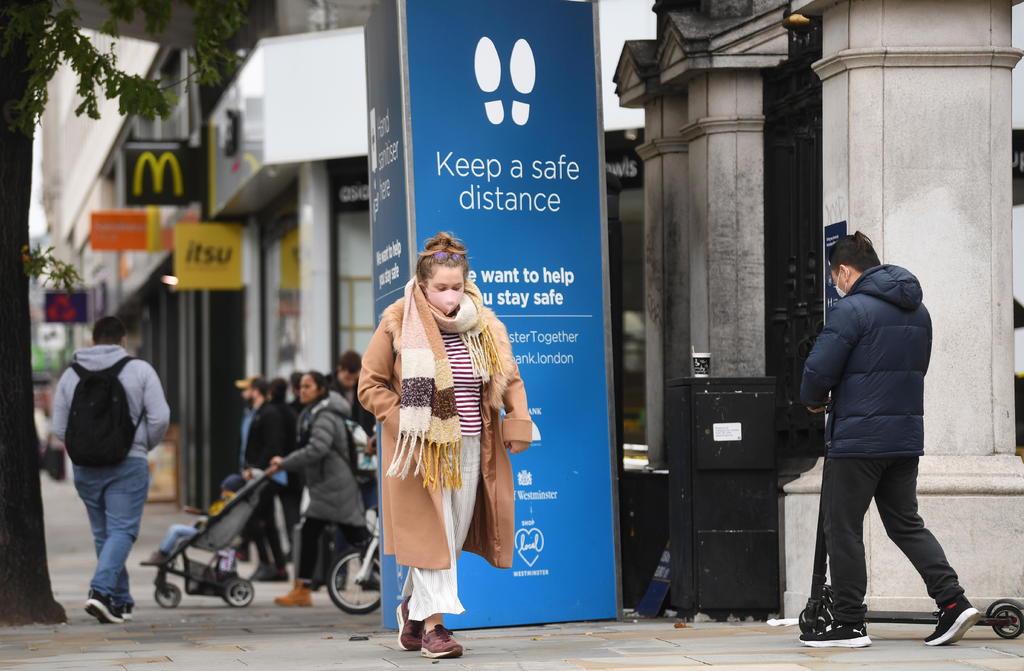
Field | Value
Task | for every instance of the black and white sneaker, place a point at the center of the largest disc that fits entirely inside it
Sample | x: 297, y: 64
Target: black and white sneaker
x: 954, y: 621
x: 126, y: 612
x: 839, y: 635
x: 102, y: 608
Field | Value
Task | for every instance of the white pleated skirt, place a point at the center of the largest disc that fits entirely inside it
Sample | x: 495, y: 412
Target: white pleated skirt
x: 437, y: 590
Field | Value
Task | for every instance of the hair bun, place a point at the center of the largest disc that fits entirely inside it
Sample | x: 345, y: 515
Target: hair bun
x: 444, y: 242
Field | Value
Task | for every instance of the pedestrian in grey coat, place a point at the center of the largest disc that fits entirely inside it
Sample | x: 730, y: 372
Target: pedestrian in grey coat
x: 325, y: 457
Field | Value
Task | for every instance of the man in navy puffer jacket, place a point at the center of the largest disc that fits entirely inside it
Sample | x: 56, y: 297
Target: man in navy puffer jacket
x: 867, y: 369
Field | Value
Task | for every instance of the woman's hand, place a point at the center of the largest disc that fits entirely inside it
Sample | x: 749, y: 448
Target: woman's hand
x: 516, y: 446
x: 371, y: 446
x: 275, y: 466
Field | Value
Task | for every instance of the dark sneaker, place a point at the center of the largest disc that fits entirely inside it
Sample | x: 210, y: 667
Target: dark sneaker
x: 102, y: 608
x: 439, y: 642
x: 839, y: 635
x: 154, y: 559
x: 126, y: 612
x: 954, y: 621
x: 267, y: 573
x: 410, y: 632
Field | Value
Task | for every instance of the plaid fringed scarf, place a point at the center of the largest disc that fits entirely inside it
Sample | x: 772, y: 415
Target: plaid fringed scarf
x: 429, y: 431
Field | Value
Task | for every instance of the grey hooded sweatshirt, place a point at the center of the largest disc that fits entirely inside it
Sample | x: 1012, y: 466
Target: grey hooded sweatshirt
x: 141, y: 386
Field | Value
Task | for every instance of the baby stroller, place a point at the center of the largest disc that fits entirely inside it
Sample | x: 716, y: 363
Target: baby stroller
x: 217, y: 577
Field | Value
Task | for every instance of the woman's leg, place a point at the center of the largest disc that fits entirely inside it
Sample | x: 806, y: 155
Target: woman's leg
x: 312, y: 528
x: 435, y: 592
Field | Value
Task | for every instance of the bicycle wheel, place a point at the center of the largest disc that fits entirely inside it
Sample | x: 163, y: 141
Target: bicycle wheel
x: 346, y: 593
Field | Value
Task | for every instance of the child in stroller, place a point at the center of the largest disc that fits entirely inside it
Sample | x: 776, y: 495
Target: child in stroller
x: 176, y: 532
x: 213, y: 534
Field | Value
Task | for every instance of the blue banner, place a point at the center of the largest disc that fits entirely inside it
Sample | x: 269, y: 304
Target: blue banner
x: 389, y: 224
x: 506, y: 153
x: 832, y: 234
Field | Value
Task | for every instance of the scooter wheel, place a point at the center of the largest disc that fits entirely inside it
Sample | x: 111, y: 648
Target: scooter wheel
x: 1010, y: 610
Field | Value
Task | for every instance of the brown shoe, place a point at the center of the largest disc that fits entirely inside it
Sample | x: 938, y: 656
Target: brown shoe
x: 301, y: 595
x: 439, y: 642
x: 410, y: 632
x: 154, y: 559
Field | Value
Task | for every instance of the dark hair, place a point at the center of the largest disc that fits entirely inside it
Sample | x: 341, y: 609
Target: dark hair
x: 350, y: 361
x: 261, y: 385
x: 108, y: 331
x: 278, y: 389
x: 854, y: 250
x: 296, y: 379
x: 441, y: 250
x: 319, y: 379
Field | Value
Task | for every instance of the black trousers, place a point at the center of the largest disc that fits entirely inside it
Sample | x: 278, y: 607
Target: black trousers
x: 312, y: 529
x: 848, y: 488
x: 263, y: 529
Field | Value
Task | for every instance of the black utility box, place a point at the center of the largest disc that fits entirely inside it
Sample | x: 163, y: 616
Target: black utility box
x: 723, y: 504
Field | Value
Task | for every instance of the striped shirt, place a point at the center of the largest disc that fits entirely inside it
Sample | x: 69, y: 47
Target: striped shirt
x: 468, y: 386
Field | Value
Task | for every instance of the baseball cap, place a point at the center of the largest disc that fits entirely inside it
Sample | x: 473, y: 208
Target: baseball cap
x: 246, y: 382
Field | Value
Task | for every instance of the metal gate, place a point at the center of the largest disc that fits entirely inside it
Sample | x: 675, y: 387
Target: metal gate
x: 793, y: 236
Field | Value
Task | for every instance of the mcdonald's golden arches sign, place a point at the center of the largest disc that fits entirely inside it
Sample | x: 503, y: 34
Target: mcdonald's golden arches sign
x: 160, y: 173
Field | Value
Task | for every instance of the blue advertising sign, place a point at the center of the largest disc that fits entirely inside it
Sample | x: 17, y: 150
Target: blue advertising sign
x: 505, y: 151
x: 832, y: 234
x: 390, y: 236
x: 62, y: 307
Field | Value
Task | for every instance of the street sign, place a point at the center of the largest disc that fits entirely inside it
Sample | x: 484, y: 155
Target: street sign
x: 62, y: 307
x: 208, y: 256
x: 125, y: 230
x: 498, y: 129
x: 52, y: 337
x: 161, y: 173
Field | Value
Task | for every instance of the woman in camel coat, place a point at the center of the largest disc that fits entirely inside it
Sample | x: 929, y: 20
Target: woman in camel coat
x: 416, y: 496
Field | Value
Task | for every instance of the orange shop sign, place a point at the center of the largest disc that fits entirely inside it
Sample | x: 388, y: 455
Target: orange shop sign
x: 126, y: 230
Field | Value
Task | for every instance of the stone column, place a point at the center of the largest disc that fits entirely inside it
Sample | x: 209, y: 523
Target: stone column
x: 666, y: 171
x: 315, y: 238
x: 726, y: 220
x: 916, y: 113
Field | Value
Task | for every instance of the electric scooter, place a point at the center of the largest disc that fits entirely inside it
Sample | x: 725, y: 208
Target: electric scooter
x: 1005, y: 616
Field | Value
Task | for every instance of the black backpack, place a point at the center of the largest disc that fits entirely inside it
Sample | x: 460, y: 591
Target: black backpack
x: 100, y: 431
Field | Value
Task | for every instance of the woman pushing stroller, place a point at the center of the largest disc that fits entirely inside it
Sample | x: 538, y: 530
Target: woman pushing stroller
x: 323, y: 455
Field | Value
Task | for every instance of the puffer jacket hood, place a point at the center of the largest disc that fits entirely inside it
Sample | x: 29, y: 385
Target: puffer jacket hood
x: 892, y: 284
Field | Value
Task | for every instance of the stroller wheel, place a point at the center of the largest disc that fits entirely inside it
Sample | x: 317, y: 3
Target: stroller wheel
x: 168, y: 597
x: 238, y: 592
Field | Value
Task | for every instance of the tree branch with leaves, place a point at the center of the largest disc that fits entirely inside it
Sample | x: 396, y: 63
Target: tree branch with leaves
x: 37, y: 37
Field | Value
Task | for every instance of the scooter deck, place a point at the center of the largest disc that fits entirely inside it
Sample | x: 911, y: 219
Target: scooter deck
x: 900, y: 617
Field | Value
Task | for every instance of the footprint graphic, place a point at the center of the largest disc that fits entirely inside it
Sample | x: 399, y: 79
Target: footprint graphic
x: 523, y: 69
x: 487, y: 65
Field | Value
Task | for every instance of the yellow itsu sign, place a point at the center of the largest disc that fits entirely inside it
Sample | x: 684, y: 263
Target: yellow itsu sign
x: 291, y: 275
x: 208, y: 256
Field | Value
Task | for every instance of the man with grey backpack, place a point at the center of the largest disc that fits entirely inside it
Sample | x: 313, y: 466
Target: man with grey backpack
x: 110, y: 410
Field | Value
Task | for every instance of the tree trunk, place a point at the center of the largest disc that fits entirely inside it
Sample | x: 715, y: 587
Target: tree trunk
x: 25, y: 590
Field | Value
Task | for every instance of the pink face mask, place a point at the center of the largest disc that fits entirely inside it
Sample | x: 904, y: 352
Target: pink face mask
x: 446, y: 301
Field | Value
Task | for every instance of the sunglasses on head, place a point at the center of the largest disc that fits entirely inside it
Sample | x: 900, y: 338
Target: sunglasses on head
x: 441, y: 256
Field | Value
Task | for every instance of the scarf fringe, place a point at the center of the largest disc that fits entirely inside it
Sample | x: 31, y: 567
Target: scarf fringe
x: 436, y: 463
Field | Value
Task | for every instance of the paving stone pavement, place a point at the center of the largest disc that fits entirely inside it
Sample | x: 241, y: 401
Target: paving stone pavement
x: 204, y: 633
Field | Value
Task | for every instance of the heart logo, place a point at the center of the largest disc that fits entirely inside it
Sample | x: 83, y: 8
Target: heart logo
x: 529, y: 545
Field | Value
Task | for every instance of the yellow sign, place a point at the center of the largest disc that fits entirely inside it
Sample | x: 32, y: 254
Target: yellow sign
x: 156, y: 171
x: 291, y: 277
x: 208, y: 256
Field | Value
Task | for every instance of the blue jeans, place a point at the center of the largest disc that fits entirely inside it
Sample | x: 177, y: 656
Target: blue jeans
x: 174, y: 534
x: 113, y: 497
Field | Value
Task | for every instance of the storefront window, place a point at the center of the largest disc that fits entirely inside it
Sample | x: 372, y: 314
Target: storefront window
x: 355, y: 288
x: 282, y: 293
